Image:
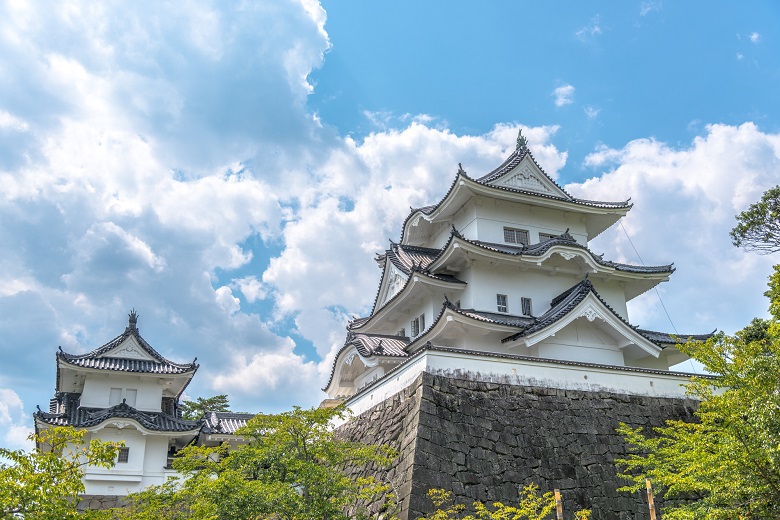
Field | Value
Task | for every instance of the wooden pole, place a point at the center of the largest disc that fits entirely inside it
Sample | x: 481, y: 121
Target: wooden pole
x: 650, y: 502
x: 558, y: 504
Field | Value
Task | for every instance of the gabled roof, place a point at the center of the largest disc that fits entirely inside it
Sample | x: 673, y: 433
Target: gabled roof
x: 89, y: 417
x: 224, y: 422
x: 368, y: 346
x: 128, y: 352
x: 550, y: 194
x: 563, y: 304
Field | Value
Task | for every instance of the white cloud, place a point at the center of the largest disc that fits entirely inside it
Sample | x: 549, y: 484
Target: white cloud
x: 648, y: 7
x: 564, y: 95
x: 685, y: 200
x: 755, y: 37
x: 225, y: 299
x: 592, y: 112
x: 13, y: 421
x: 591, y: 29
x: 252, y: 288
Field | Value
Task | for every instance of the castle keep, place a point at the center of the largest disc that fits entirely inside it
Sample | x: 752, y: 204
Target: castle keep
x: 499, y: 349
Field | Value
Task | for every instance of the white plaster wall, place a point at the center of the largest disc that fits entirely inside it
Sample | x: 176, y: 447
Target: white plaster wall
x: 493, y: 215
x: 523, y: 372
x: 464, y: 221
x: 123, y: 478
x: 581, y: 341
x: 97, y: 390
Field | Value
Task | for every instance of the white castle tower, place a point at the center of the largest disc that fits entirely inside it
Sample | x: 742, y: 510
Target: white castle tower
x: 497, y: 278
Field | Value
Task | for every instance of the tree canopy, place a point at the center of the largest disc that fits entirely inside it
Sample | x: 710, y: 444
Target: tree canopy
x: 758, y: 227
x: 291, y: 468
x: 531, y: 506
x: 45, y: 483
x: 193, y: 410
x: 726, y: 465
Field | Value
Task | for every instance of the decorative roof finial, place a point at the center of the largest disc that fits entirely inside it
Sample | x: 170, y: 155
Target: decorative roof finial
x: 522, y: 142
x: 133, y: 319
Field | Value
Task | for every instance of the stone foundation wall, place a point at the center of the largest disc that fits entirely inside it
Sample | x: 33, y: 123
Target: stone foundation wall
x: 99, y: 502
x: 392, y: 423
x: 484, y: 440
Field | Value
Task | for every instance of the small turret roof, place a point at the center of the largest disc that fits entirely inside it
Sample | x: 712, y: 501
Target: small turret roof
x: 113, y: 356
x: 224, y: 422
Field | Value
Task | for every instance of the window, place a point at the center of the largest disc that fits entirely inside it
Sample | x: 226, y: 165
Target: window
x: 418, y: 325
x: 501, y: 303
x: 130, y: 395
x: 543, y: 237
x: 525, y: 303
x: 115, y: 397
x: 401, y: 333
x: 515, y: 236
x: 124, y: 455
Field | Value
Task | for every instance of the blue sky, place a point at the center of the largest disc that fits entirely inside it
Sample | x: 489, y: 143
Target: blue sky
x: 230, y: 170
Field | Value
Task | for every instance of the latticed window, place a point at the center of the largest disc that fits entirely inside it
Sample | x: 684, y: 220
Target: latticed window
x: 415, y: 327
x: 501, y: 304
x: 124, y: 455
x: 515, y: 236
x: 525, y: 303
x: 543, y: 237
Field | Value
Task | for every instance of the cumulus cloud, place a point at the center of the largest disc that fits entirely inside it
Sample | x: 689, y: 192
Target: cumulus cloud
x: 755, y: 37
x: 564, y: 95
x: 685, y: 200
x: 143, y: 150
x: 13, y: 421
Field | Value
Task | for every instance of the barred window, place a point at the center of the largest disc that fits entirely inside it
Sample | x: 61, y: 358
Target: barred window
x: 515, y: 236
x: 124, y: 455
x: 501, y: 304
x: 543, y: 237
x: 525, y: 303
x: 415, y: 327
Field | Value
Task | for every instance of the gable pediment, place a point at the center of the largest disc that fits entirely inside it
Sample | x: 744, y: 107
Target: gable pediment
x: 528, y: 176
x: 394, y: 282
x: 129, y: 349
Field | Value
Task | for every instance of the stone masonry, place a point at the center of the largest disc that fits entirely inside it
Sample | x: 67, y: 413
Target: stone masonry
x: 483, y: 440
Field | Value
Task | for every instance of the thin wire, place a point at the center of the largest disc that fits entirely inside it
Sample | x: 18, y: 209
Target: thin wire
x: 656, y: 289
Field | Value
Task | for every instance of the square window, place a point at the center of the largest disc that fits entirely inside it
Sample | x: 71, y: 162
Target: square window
x: 515, y: 236
x: 525, y: 303
x: 115, y: 397
x: 124, y: 455
x: 544, y: 237
x: 501, y: 304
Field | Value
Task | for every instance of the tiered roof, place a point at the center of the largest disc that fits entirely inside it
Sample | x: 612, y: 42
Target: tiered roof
x: 227, y: 423
x: 78, y: 417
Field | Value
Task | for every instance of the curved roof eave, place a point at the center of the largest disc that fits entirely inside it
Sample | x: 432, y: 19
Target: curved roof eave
x: 401, y: 294
x: 545, y: 251
x: 540, y: 199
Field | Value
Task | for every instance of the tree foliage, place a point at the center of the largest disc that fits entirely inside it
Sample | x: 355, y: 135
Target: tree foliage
x: 193, y: 410
x: 531, y: 506
x: 727, y: 464
x: 758, y: 227
x: 290, y: 469
x: 46, y: 482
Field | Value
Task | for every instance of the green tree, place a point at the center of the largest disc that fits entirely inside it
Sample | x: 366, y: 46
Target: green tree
x: 531, y: 506
x: 727, y: 464
x: 45, y: 483
x: 758, y: 227
x: 291, y: 468
x: 193, y: 410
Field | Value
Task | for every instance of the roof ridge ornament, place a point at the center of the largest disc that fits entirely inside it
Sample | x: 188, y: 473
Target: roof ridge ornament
x: 522, y: 142
x: 132, y: 320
